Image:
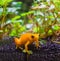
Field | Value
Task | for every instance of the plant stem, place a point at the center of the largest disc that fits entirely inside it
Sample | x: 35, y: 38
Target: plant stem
x: 4, y: 15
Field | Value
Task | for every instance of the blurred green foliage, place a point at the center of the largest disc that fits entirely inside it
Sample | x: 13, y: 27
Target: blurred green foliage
x: 4, y: 2
x: 42, y: 16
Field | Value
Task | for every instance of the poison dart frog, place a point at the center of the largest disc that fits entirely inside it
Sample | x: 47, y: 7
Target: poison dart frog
x: 26, y: 39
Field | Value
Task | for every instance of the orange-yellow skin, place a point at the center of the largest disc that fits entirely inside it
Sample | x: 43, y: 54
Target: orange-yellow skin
x: 27, y: 39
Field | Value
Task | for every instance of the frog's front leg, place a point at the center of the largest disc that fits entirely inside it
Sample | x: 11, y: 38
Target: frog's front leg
x: 37, y: 43
x: 26, y: 48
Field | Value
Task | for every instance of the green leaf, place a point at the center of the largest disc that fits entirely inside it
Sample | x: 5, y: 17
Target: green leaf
x: 42, y: 30
x: 50, y: 32
x: 16, y: 4
x: 30, y: 12
x: 1, y: 31
x: 4, y: 2
x: 23, y: 28
x: 13, y: 33
x: 56, y: 27
x: 15, y: 18
x: 35, y: 29
x: 23, y: 14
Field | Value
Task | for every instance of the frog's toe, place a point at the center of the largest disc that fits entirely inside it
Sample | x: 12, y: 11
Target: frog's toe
x: 30, y: 52
x: 24, y: 51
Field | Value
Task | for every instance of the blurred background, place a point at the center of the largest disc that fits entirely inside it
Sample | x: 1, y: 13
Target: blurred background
x: 38, y: 16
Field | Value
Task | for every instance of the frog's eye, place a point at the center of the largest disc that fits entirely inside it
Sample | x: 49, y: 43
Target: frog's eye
x: 39, y: 34
x: 32, y: 36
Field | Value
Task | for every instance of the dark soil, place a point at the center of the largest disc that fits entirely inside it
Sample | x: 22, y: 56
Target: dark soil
x: 48, y: 52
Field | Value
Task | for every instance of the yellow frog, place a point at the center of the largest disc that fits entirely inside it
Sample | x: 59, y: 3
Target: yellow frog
x: 26, y: 39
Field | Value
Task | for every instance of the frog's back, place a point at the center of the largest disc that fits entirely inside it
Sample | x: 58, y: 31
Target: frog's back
x: 25, y: 37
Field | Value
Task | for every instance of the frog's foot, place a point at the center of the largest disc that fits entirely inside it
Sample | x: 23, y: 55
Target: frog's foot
x: 28, y: 52
x: 24, y: 51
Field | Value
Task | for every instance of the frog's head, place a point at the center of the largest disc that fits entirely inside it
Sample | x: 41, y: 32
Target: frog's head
x: 35, y: 36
